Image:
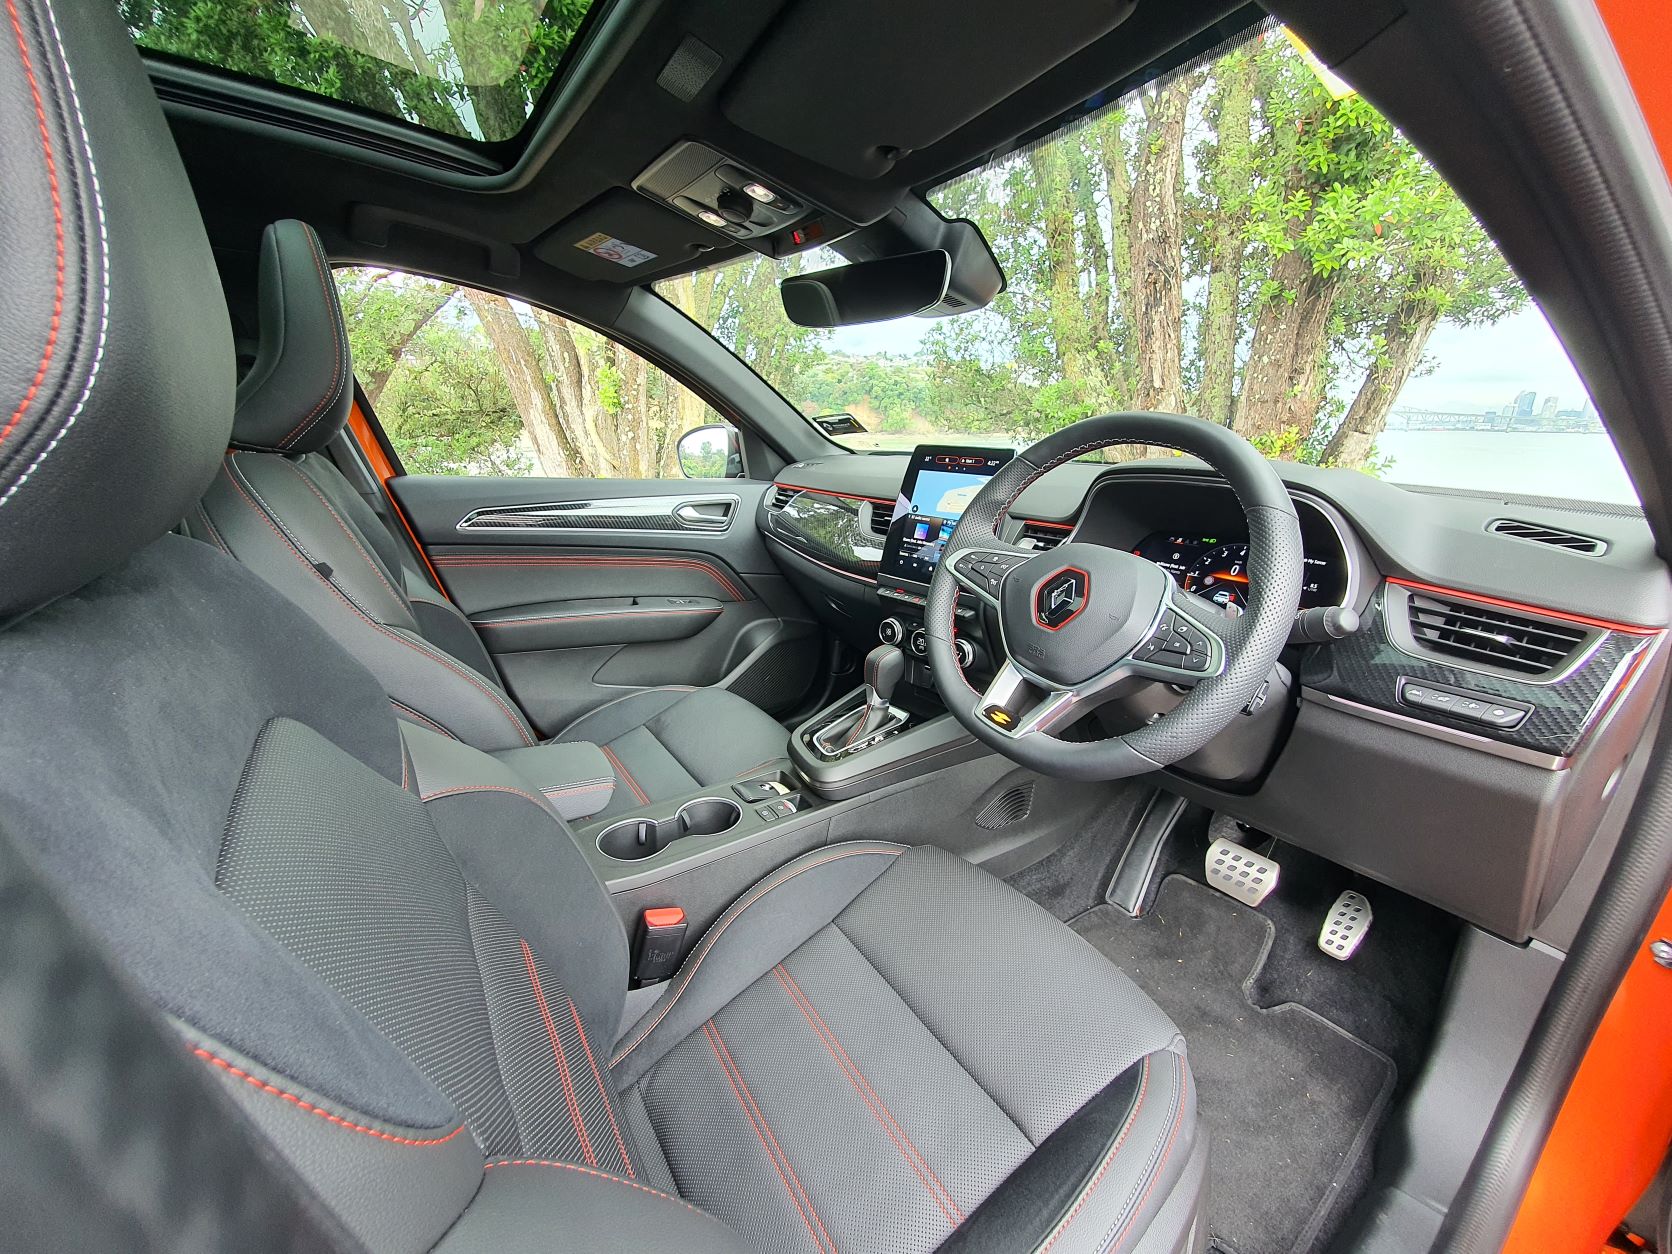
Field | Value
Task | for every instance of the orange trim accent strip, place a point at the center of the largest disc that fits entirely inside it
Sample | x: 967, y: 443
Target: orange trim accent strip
x: 361, y: 428
x: 1040, y: 522
x: 1630, y: 629
x: 842, y: 496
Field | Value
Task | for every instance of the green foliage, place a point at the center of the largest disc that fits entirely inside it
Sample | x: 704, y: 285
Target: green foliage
x: 1310, y: 233
x: 477, y: 71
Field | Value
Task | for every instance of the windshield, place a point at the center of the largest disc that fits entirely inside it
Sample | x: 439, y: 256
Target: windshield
x: 1247, y: 241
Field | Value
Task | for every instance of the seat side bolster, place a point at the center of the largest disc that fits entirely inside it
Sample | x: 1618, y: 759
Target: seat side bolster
x: 1100, y: 1181
x: 528, y: 1204
x: 373, y: 625
x: 396, y: 1188
x: 743, y: 944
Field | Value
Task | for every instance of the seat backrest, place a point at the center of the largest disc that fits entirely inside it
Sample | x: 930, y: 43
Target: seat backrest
x: 283, y: 508
x: 388, y: 985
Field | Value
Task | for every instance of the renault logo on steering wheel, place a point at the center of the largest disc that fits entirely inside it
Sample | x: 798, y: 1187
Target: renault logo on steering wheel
x: 1061, y: 598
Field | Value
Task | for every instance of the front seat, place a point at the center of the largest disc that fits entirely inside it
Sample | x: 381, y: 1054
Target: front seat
x: 282, y: 508
x: 407, y: 1005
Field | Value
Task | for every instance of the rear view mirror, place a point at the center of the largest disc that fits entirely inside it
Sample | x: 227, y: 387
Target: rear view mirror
x: 868, y: 291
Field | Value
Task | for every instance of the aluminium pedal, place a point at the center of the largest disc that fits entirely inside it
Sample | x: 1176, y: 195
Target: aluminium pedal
x: 1240, y: 873
x: 1346, y: 925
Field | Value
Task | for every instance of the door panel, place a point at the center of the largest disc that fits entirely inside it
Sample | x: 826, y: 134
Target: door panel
x: 583, y: 589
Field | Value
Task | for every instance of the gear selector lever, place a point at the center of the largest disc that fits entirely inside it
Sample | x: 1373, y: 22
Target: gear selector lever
x: 884, y: 667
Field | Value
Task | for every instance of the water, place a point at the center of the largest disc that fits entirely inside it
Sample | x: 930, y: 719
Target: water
x: 1578, y: 465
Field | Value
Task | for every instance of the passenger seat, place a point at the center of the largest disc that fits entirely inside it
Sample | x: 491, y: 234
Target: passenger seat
x: 283, y: 508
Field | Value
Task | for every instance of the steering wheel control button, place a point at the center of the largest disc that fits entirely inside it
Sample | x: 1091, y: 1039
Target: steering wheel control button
x: 1240, y: 873
x: 1462, y: 703
x: 1346, y: 925
x: 1061, y: 598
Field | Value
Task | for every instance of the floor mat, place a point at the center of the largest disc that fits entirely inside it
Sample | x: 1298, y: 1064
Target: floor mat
x: 1290, y: 1101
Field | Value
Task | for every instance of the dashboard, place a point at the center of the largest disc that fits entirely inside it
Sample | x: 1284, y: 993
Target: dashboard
x: 1462, y: 745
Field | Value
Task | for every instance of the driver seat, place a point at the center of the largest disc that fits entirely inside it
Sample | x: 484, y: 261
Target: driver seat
x: 403, y: 997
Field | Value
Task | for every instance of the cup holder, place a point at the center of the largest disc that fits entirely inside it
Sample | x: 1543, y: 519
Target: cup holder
x: 709, y: 816
x: 632, y: 839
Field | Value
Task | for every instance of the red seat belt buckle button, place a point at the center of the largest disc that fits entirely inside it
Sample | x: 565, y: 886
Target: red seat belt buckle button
x: 661, y: 941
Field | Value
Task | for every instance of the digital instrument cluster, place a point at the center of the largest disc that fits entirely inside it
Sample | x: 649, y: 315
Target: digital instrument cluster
x: 1216, y: 567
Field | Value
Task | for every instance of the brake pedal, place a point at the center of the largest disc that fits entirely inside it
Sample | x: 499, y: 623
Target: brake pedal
x: 1240, y: 873
x: 1346, y: 925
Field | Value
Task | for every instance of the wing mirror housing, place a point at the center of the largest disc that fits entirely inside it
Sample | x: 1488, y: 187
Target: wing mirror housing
x: 711, y: 452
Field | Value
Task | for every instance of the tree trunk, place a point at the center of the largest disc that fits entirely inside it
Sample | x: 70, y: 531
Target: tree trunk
x: 555, y: 452
x: 1289, y: 336
x: 1229, y: 181
x: 1157, y: 247
x: 1404, y: 338
x: 579, y: 406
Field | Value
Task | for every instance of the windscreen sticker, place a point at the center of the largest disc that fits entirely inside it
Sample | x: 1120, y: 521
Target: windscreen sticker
x: 616, y: 250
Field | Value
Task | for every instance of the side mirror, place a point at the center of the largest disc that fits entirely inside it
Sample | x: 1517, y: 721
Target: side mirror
x: 868, y: 291
x: 711, y: 452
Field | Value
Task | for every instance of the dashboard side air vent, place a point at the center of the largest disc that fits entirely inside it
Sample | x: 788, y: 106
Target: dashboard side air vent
x: 782, y: 495
x: 876, y: 518
x: 1503, y: 639
x: 1573, y: 542
x: 1041, y: 536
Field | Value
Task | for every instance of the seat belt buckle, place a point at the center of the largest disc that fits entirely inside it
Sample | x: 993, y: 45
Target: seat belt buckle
x: 661, y: 940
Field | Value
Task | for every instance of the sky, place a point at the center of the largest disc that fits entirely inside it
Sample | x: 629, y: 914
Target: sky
x: 1482, y: 368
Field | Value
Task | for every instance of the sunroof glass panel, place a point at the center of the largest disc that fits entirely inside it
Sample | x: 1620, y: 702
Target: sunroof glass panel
x: 472, y: 68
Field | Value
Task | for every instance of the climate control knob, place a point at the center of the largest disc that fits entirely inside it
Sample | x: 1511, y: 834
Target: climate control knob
x: 891, y: 631
x: 965, y: 651
x: 919, y: 646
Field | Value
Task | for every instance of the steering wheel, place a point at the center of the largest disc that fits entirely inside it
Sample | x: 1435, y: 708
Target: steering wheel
x: 1076, y: 620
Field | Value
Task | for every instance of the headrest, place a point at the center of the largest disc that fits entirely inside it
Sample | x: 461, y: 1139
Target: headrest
x: 116, y: 366
x: 297, y: 395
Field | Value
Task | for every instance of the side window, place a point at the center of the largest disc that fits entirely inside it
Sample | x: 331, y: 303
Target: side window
x: 467, y: 382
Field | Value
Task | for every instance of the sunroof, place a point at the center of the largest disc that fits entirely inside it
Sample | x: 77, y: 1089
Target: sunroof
x: 472, y: 68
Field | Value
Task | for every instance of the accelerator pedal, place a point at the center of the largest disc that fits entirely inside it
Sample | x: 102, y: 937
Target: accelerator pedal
x: 1240, y: 872
x: 1346, y: 925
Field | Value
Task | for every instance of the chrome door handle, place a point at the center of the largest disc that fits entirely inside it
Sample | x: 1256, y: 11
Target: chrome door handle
x: 705, y: 515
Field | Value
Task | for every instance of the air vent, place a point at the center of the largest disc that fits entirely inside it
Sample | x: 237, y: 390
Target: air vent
x: 1588, y: 546
x: 1010, y: 806
x: 877, y: 520
x: 1041, y: 536
x: 1498, y: 638
x: 782, y: 495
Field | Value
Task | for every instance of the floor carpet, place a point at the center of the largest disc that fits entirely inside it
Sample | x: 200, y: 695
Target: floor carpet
x: 1291, y: 1101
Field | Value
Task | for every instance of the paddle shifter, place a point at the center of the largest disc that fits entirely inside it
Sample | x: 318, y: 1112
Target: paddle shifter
x: 875, y: 718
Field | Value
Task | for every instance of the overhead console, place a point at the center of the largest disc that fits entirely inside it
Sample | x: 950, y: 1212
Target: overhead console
x: 874, y: 97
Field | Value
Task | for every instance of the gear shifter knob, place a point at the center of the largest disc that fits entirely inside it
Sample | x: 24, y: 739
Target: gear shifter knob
x: 884, y: 667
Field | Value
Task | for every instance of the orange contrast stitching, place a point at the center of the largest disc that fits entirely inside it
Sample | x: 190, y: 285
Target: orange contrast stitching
x: 557, y: 1052
x: 308, y: 1106
x: 709, y: 940
x: 763, y: 1133
x: 57, y: 229
x: 879, y: 1109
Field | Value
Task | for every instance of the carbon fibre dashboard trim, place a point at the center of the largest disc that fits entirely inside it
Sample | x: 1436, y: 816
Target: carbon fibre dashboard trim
x: 1365, y: 669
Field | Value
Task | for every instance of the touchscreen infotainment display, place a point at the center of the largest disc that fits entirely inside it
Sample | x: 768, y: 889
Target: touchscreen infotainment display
x: 940, y: 483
